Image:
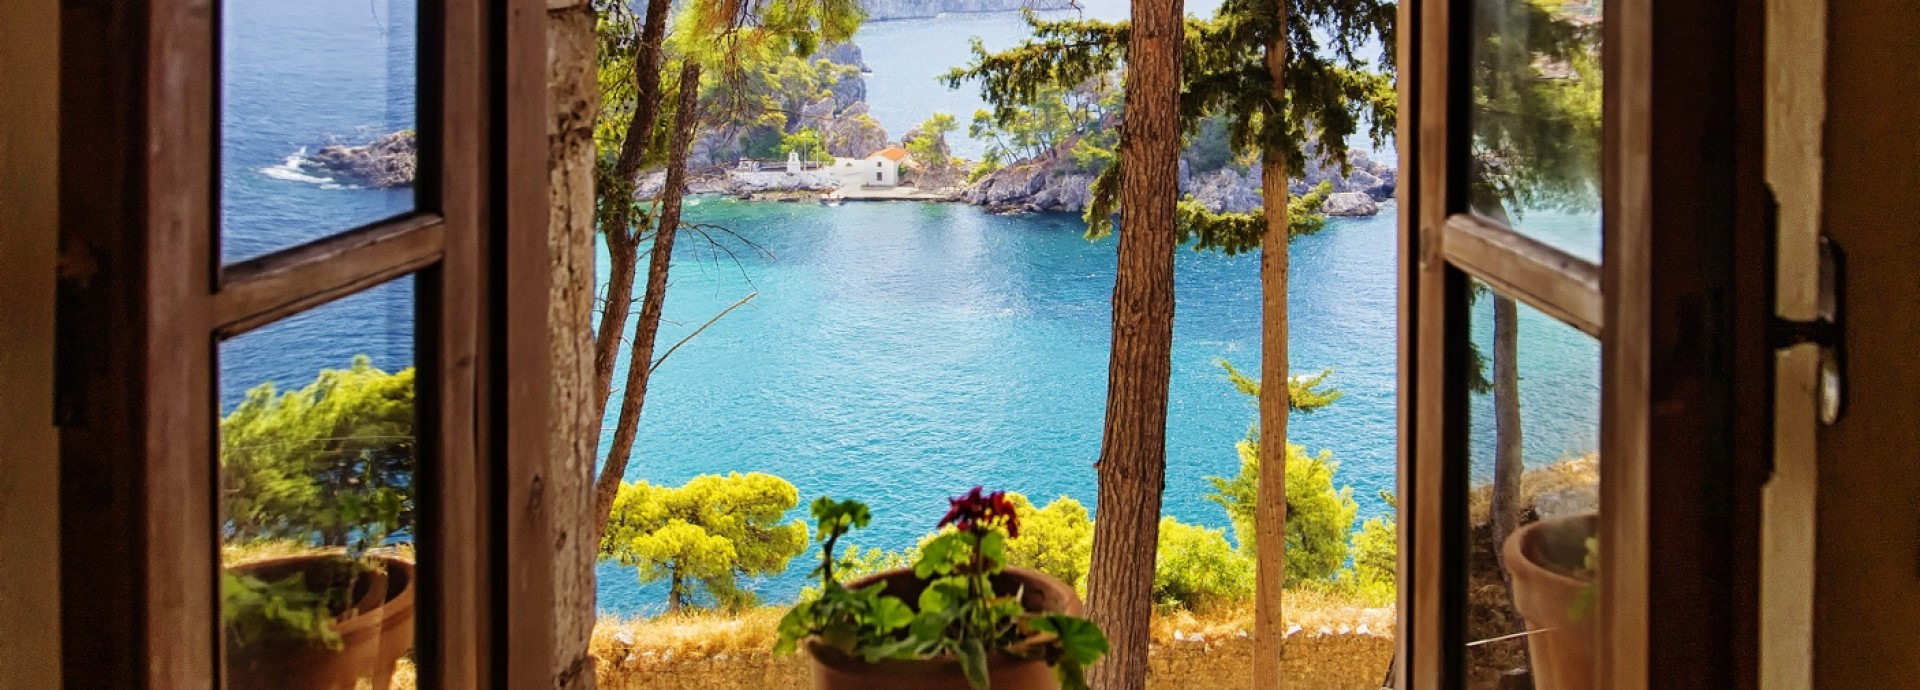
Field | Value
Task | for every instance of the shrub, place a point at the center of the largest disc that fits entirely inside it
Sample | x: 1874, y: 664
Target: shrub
x: 710, y: 531
x: 1198, y: 569
x: 1374, y: 553
x: 325, y: 465
x: 1056, y: 540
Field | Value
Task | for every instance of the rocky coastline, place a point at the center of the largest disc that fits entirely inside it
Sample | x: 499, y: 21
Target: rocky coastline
x: 1054, y: 184
x: 887, y: 10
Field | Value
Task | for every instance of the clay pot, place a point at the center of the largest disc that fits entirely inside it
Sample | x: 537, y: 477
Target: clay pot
x: 374, y: 634
x: 1541, y: 558
x: 833, y: 670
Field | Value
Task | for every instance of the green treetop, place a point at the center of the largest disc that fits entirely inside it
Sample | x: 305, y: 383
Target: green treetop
x: 326, y: 464
x: 1330, y: 93
x: 709, y: 532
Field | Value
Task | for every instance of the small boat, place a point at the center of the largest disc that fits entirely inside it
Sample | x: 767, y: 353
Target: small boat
x: 829, y: 200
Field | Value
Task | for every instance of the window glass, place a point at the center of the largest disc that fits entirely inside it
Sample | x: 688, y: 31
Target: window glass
x: 1535, y: 153
x: 318, y: 499
x: 317, y: 120
x: 1534, y: 440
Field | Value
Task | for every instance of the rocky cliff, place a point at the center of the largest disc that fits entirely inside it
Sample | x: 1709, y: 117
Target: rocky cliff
x: 883, y: 10
x: 1053, y: 183
x: 388, y: 161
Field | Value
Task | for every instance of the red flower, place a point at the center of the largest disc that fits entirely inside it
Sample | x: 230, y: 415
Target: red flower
x: 975, y: 512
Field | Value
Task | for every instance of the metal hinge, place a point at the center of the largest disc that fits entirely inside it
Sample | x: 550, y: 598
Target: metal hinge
x: 1826, y: 330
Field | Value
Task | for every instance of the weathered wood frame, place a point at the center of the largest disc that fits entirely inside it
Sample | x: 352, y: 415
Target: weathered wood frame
x: 144, y: 302
x: 1679, y: 304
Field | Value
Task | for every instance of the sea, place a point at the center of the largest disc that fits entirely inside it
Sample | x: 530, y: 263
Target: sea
x: 895, y: 352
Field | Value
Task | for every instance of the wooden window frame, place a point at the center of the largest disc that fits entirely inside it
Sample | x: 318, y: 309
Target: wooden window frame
x: 144, y: 303
x: 1679, y: 305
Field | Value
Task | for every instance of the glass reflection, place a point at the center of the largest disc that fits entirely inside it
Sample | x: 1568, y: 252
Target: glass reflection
x: 1536, y: 119
x: 317, y: 496
x: 1534, y: 445
x: 317, y: 121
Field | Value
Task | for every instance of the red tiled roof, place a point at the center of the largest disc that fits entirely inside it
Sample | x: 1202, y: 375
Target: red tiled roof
x: 892, y: 153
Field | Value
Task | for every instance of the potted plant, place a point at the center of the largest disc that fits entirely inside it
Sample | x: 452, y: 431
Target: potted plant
x: 319, y: 621
x: 1552, y: 564
x: 321, y: 476
x: 960, y: 619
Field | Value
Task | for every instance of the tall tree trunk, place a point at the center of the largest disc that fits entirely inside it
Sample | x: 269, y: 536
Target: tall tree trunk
x: 1507, y: 467
x: 1270, y: 506
x: 640, y: 363
x: 623, y: 239
x: 1133, y: 448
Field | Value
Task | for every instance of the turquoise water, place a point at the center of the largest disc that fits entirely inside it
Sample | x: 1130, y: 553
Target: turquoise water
x: 897, y: 352
x: 903, y: 352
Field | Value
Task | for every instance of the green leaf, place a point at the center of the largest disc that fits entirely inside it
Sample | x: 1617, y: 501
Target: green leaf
x: 973, y: 662
x: 993, y: 546
x: 890, y: 614
x: 1080, y: 639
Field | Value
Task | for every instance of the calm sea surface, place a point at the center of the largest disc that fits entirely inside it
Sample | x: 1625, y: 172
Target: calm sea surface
x: 896, y: 352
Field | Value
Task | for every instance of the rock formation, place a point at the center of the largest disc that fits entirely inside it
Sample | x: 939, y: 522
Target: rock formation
x: 882, y: 10
x: 389, y: 161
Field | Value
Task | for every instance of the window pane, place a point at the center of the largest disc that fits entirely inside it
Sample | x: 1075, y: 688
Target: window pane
x: 317, y: 119
x: 1536, y: 119
x: 1534, y: 440
x: 317, y: 495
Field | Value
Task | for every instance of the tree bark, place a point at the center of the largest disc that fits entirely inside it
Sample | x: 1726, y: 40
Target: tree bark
x: 1270, y: 508
x: 1133, y: 449
x: 573, y: 94
x: 623, y: 239
x: 1507, y: 465
x: 640, y: 363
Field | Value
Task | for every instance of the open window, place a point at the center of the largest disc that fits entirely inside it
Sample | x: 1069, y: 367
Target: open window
x: 1580, y: 184
x: 286, y: 436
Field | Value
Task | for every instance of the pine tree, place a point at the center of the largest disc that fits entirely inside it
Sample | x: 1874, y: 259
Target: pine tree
x: 1259, y: 64
x: 709, y: 533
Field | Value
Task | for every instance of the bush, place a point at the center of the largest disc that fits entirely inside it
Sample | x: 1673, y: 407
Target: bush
x: 1197, y: 569
x: 1374, y: 553
x: 326, y: 465
x: 1056, y: 540
x: 710, y: 531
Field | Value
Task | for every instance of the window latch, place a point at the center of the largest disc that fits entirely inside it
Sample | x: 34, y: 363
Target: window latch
x: 1826, y: 330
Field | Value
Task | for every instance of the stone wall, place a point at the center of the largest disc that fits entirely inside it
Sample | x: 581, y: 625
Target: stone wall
x: 1314, y: 661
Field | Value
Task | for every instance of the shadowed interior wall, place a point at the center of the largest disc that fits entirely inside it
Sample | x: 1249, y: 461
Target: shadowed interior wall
x: 1868, y: 585
x: 29, y: 452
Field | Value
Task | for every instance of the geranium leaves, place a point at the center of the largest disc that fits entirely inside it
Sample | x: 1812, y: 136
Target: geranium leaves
x: 957, y: 614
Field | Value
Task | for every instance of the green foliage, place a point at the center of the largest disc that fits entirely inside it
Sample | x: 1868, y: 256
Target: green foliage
x: 1375, y: 550
x: 1304, y: 393
x: 928, y: 144
x: 1329, y: 92
x: 958, y: 613
x: 254, y: 611
x: 808, y: 144
x: 982, y: 169
x: 330, y: 464
x: 1054, y: 117
x: 1209, y: 148
x: 1198, y: 569
x: 1056, y: 540
x: 1319, y: 516
x: 710, y: 532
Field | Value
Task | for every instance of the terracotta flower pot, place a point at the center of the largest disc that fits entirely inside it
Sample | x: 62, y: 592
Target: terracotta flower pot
x: 1542, y: 558
x: 372, y: 639
x: 833, y: 670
